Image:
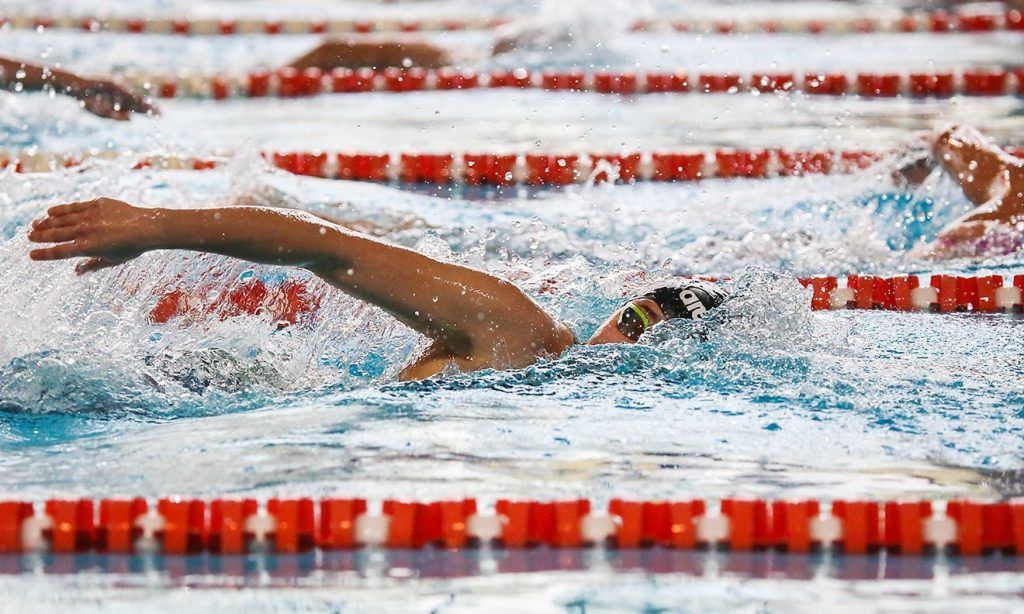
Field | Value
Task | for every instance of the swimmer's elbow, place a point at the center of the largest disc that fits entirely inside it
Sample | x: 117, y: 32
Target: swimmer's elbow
x: 330, y: 258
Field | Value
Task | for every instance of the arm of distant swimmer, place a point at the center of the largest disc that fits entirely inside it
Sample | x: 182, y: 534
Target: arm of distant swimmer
x: 974, y: 161
x: 987, y: 175
x: 473, y: 316
x: 374, y: 53
x: 103, y: 97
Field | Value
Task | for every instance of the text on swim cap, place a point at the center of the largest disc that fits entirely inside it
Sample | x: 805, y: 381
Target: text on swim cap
x: 693, y: 304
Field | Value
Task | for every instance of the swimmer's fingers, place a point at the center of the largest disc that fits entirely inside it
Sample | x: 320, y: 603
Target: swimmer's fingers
x: 57, y: 235
x: 74, y: 207
x: 141, y: 104
x: 130, y: 100
x: 57, y: 221
x: 102, y: 106
x: 109, y: 99
x: 58, y: 252
x: 125, y: 102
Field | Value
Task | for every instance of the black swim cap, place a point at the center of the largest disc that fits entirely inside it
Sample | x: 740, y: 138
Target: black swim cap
x: 690, y: 300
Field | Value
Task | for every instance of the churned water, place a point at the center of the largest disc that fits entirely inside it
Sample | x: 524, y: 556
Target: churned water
x: 765, y: 398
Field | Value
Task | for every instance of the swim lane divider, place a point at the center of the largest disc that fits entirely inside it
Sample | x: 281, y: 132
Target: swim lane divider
x: 177, y: 526
x: 292, y: 302
x: 942, y: 293
x: 500, y: 169
x: 292, y: 83
x: 906, y: 22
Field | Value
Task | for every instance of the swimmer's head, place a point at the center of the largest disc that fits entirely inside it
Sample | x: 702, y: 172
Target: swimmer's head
x: 691, y: 300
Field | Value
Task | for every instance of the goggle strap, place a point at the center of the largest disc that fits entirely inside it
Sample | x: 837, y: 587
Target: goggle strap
x: 640, y: 313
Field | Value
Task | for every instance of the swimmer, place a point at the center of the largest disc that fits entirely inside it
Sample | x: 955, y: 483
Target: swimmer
x: 475, y: 320
x: 103, y: 97
x: 373, y: 52
x: 991, y: 178
x: 405, y: 51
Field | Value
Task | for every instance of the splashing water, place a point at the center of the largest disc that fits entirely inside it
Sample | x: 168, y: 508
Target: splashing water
x: 580, y: 267
x: 571, y: 31
x: 763, y: 365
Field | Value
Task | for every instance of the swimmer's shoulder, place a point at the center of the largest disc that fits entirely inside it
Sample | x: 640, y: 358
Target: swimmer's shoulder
x: 551, y: 340
x: 563, y: 339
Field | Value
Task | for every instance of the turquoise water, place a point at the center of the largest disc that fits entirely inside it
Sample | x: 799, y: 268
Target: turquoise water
x: 765, y: 399
x: 241, y: 406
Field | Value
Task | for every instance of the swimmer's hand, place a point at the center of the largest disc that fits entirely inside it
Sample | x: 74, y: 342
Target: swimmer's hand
x: 106, y: 231
x: 108, y: 98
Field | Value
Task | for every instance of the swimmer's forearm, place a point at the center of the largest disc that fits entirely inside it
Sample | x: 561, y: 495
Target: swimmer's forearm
x: 457, y: 305
x: 257, y: 234
x: 16, y: 75
x: 974, y: 161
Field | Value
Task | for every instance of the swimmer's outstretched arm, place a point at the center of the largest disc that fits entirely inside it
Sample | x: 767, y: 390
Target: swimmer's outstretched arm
x: 102, y: 97
x: 476, y: 319
x: 989, y: 176
x: 979, y: 165
x: 373, y: 52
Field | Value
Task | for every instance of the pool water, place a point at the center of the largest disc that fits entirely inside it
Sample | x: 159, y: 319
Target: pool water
x: 765, y: 398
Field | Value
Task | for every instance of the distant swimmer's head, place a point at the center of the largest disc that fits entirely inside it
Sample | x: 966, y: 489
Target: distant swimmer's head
x: 691, y: 300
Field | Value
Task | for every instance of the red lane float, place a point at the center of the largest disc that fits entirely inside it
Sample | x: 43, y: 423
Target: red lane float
x: 12, y: 516
x: 290, y: 83
x: 904, y: 526
x: 918, y: 21
x: 175, y: 526
x: 338, y: 517
x: 938, y: 85
x: 184, y: 529
x: 117, y: 530
x: 72, y: 527
x: 941, y: 293
x: 228, y: 532
x: 227, y: 27
x: 294, y: 525
x: 749, y: 524
x: 505, y: 169
x: 415, y: 525
x: 451, y: 79
x: 495, y: 169
x: 287, y: 303
x: 983, y: 527
x: 859, y: 523
x: 792, y: 525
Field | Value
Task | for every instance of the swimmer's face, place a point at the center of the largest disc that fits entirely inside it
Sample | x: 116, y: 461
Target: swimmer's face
x: 628, y: 322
